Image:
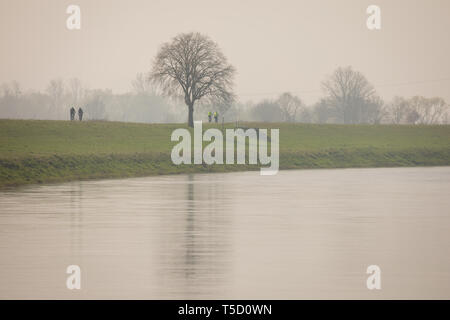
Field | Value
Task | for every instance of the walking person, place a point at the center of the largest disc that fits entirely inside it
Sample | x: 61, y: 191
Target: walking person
x: 80, y: 114
x: 209, y: 116
x: 72, y: 114
x: 216, y: 116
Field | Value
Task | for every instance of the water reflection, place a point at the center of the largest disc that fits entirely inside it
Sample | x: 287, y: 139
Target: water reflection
x: 196, y: 245
x: 76, y: 218
x: 299, y: 234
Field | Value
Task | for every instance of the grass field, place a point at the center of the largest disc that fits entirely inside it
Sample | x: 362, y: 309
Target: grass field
x: 52, y: 151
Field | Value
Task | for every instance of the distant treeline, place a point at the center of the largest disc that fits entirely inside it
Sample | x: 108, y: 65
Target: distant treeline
x: 140, y: 105
x: 348, y: 98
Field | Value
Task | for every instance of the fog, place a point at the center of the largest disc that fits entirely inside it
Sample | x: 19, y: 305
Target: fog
x: 143, y: 103
x: 277, y: 47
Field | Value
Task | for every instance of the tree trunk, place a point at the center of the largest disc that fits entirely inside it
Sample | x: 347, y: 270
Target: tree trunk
x: 191, y: 115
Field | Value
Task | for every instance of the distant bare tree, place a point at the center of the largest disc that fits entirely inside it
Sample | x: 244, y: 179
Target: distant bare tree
x: 192, y: 66
x: 398, y: 110
x: 352, y: 96
x: 56, y: 91
x: 373, y: 111
x: 428, y: 111
x: 76, y: 92
x: 11, y: 89
x: 267, y: 111
x: 141, y: 85
x: 412, y: 117
x: 322, y: 112
x: 221, y: 108
x: 11, y: 100
x: 289, y: 106
x: 306, y: 115
x: 95, y: 107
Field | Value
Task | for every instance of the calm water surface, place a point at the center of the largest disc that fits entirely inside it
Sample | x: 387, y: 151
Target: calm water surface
x: 299, y: 234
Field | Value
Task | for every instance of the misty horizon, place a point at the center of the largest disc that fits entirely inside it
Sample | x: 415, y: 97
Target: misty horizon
x: 223, y: 150
x: 276, y: 48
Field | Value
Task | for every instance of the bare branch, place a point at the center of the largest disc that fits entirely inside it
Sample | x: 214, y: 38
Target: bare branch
x: 193, y: 67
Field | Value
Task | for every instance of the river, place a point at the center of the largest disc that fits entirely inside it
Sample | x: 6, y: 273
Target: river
x: 301, y: 234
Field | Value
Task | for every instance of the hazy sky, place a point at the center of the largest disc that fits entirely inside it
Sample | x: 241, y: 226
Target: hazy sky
x: 276, y: 46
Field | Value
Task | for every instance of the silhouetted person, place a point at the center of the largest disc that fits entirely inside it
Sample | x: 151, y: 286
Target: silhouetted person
x: 216, y: 116
x: 209, y: 116
x: 72, y: 114
x: 80, y: 114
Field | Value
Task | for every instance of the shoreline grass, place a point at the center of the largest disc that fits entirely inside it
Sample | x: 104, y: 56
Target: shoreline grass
x: 41, y: 151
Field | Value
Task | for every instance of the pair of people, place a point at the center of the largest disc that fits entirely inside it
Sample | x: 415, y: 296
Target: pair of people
x: 216, y: 116
x: 72, y: 114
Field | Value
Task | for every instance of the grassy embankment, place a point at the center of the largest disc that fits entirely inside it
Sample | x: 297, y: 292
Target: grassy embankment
x: 53, y: 151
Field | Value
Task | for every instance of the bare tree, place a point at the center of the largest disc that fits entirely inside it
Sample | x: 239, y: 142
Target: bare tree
x: 412, y: 117
x: 267, y: 111
x: 428, y: 111
x: 95, y: 107
x: 289, y: 106
x: 56, y: 92
x: 439, y: 110
x: 306, y: 115
x: 353, y: 97
x: 141, y: 86
x: 192, y: 66
x: 76, y: 92
x: 398, y: 110
x: 11, y: 89
x: 221, y: 107
x: 322, y: 112
x: 373, y: 111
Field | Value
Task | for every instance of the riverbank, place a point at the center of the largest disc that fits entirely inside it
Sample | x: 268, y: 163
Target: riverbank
x: 33, y: 151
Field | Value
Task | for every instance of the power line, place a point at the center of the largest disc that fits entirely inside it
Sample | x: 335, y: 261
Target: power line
x: 412, y: 82
x: 395, y: 84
